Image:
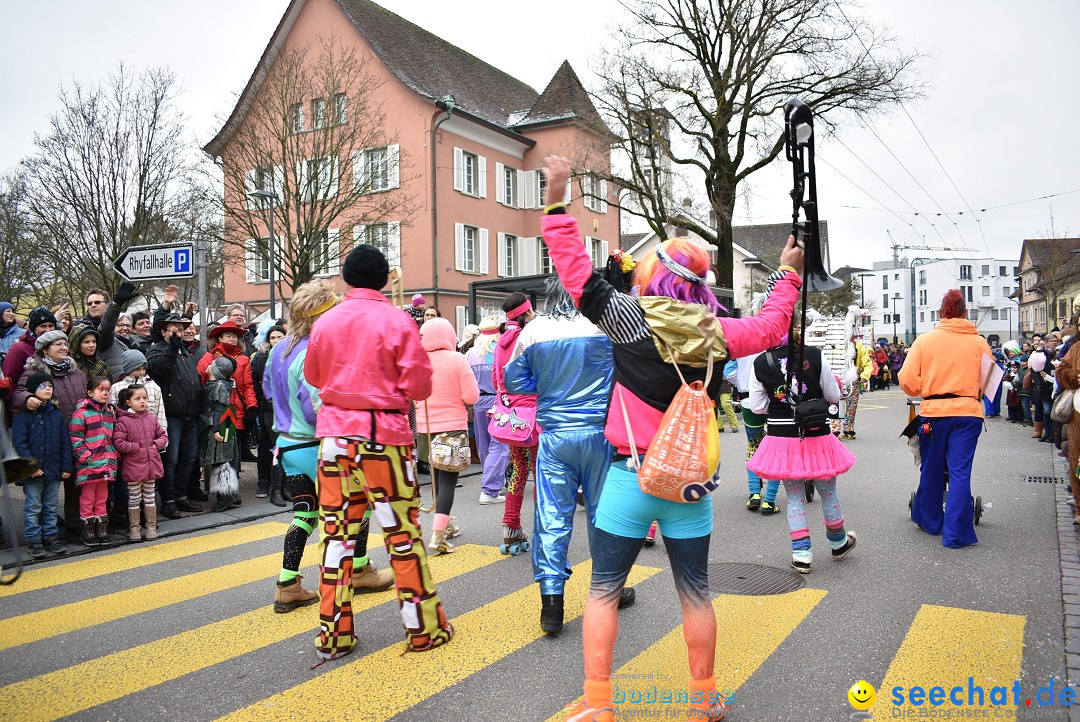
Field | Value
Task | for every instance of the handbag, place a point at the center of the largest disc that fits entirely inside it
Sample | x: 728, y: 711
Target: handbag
x: 513, y: 426
x: 683, y: 460
x: 1062, y: 409
x: 450, y: 451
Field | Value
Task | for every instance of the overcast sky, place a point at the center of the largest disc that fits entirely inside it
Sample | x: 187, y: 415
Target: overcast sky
x: 1000, y: 110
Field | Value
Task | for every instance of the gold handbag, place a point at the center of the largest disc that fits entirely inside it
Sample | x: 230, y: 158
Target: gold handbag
x: 450, y: 451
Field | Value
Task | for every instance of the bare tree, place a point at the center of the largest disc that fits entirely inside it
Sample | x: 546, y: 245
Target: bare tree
x: 1058, y: 273
x: 25, y: 264
x: 695, y: 89
x: 110, y: 166
x: 316, y: 135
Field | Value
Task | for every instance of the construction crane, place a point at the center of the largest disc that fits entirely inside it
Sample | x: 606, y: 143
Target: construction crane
x: 897, y: 246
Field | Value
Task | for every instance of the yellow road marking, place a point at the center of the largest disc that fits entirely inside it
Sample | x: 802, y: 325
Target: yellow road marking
x: 662, y: 667
x: 871, y: 407
x: 943, y: 647
x: 97, y: 681
x: 78, y: 570
x: 376, y: 687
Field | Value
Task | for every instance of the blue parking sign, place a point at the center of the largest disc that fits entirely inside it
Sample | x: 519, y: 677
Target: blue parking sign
x: 182, y: 260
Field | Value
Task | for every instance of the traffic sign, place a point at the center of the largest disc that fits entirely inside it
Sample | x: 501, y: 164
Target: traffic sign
x: 154, y: 263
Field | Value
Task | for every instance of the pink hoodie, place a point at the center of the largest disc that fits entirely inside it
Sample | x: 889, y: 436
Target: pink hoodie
x: 453, y: 385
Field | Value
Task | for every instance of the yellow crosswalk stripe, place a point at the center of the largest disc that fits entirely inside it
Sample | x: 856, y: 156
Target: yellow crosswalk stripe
x: 65, y: 618
x: 377, y: 690
x: 97, y: 681
x: 96, y: 566
x: 944, y: 647
x: 662, y: 667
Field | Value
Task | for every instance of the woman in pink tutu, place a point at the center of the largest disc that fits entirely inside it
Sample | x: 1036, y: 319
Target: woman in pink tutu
x: 795, y: 456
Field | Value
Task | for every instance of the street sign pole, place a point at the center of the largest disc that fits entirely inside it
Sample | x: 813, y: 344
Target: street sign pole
x: 203, y: 312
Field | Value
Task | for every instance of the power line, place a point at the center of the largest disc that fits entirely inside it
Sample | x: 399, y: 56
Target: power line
x: 979, y: 210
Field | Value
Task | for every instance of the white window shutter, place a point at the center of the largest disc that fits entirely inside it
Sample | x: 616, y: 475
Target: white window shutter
x: 334, y: 174
x: 569, y: 186
x: 462, y: 313
x: 459, y: 169
x: 250, y: 186
x: 359, y: 171
x: 522, y: 188
x: 484, y: 251
x: 603, y: 254
x: 393, y: 160
x: 603, y: 196
x: 302, y: 181
x: 279, y: 182
x: 529, y: 253
x: 359, y: 234
x: 500, y: 188
x: 393, y: 242
x: 481, y: 171
x: 589, y: 249
x: 459, y: 246
x: 528, y: 189
x: 500, y: 251
x: 333, y: 251
x: 249, y: 261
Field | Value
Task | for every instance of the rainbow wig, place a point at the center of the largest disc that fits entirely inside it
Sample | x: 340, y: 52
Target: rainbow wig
x: 652, y: 278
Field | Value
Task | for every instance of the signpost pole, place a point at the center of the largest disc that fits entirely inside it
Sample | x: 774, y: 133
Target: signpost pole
x: 204, y: 313
x: 273, y: 258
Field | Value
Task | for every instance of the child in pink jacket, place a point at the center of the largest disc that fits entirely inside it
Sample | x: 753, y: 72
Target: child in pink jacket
x: 139, y: 439
x: 453, y: 387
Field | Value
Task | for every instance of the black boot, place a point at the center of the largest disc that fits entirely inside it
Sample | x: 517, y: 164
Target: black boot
x: 627, y: 598
x: 551, y: 613
x: 86, y: 533
x: 277, y: 481
x: 262, y: 489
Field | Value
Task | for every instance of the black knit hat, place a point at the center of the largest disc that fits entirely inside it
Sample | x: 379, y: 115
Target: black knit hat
x: 366, y: 267
x: 39, y: 316
x: 37, y: 379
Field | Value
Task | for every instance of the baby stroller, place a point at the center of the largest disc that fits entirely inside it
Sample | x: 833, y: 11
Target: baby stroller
x: 911, y: 431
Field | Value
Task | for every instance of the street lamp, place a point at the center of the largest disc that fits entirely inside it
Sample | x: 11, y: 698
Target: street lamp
x: 270, y: 196
x: 895, y: 316
x: 862, y: 288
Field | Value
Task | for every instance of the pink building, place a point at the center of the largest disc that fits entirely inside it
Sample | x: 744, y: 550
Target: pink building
x: 480, y: 194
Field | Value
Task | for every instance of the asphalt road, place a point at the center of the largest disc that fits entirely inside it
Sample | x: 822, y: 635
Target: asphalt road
x: 183, y: 629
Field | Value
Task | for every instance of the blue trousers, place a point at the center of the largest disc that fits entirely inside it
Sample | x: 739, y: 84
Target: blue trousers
x: 566, y: 461
x: 494, y: 455
x: 40, y: 508
x: 949, y: 445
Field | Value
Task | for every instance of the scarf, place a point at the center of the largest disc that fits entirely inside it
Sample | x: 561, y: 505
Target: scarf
x: 65, y: 367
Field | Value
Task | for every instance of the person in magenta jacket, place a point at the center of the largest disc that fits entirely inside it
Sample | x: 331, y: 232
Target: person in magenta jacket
x: 519, y: 312
x: 674, y: 304
x: 453, y: 387
x: 366, y: 452
x: 139, y: 439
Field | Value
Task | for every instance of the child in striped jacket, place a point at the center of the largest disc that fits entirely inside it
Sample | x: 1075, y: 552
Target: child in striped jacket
x: 96, y: 460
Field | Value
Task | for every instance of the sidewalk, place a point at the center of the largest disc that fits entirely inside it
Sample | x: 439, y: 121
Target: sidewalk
x: 250, y: 509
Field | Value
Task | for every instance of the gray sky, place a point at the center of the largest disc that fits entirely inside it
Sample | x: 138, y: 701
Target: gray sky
x: 1000, y: 110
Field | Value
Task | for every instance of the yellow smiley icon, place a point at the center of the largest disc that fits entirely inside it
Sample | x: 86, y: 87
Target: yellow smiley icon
x: 861, y: 695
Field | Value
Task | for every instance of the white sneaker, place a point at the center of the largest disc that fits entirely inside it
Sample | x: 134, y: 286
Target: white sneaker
x: 489, y: 499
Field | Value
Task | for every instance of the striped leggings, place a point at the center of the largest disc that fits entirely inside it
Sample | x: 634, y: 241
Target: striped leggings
x: 354, y: 473
x: 796, y: 517
x: 522, y: 461
x: 141, y: 491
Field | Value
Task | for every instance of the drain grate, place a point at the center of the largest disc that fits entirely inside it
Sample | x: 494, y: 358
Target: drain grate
x: 752, y: 579
x: 1045, y: 479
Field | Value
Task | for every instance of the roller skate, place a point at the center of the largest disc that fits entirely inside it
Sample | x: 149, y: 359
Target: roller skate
x: 515, y: 541
x: 650, y: 538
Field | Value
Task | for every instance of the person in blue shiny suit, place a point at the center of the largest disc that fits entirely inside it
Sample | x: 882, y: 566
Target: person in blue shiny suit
x: 566, y: 361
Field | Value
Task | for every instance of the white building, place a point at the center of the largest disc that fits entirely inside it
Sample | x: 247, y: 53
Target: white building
x: 986, y: 284
x: 910, y: 296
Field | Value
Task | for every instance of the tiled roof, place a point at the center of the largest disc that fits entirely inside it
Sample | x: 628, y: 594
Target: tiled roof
x: 564, y: 98
x: 767, y: 240
x: 433, y: 67
x: 629, y: 240
x: 846, y: 272
x: 1043, y: 253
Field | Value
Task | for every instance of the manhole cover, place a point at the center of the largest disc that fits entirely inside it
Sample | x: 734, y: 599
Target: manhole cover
x: 1045, y: 479
x: 752, y: 579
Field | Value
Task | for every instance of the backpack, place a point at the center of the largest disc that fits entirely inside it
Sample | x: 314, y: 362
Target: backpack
x: 683, y: 461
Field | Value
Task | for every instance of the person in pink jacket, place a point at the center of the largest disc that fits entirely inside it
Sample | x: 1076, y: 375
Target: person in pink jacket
x: 366, y: 452
x: 139, y: 439
x: 453, y: 387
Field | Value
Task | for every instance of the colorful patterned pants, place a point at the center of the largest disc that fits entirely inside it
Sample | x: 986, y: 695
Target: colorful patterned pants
x: 141, y: 491
x: 522, y: 461
x: 852, y: 407
x: 796, y: 517
x: 352, y: 473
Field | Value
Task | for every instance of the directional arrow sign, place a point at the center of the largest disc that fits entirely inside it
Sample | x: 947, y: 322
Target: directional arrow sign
x: 156, y: 263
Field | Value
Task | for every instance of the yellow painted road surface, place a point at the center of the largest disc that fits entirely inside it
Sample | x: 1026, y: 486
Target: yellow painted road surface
x: 943, y: 646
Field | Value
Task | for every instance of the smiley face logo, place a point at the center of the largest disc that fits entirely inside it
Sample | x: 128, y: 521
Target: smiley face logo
x: 861, y: 695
